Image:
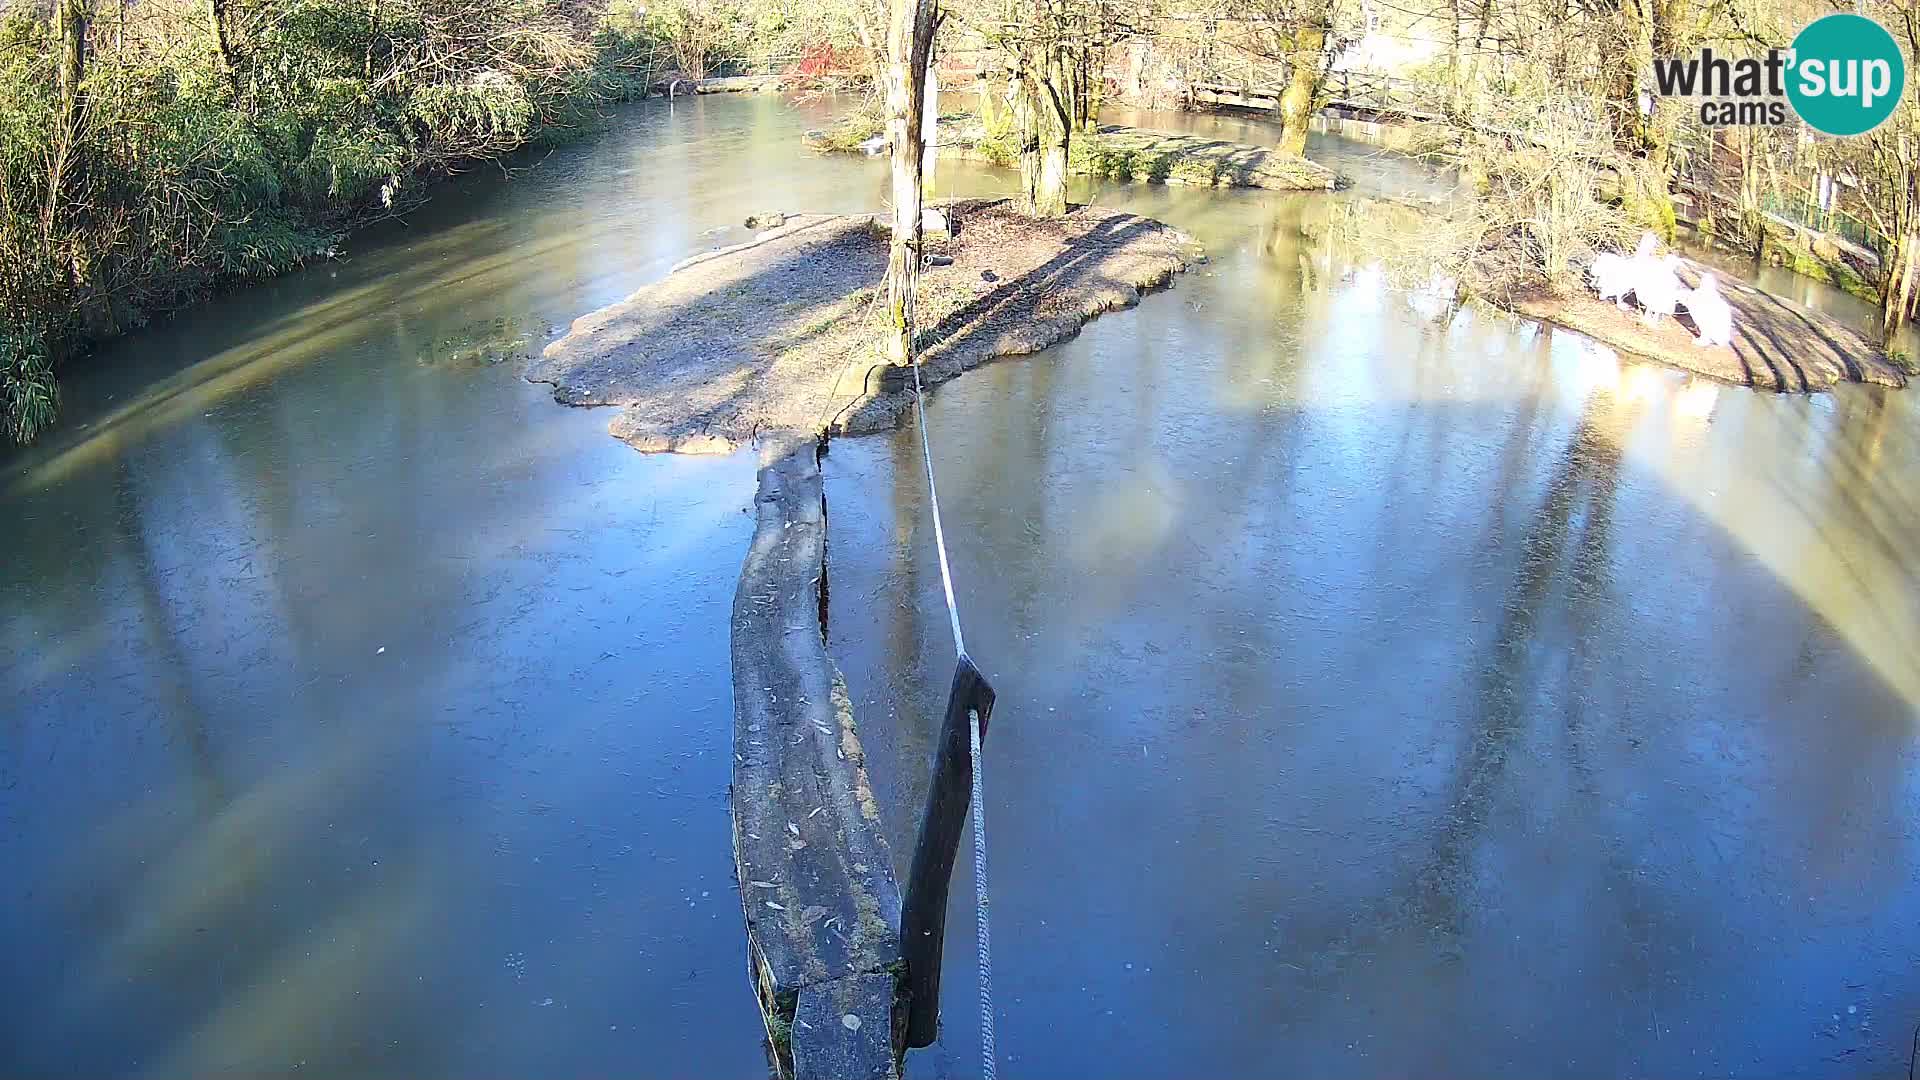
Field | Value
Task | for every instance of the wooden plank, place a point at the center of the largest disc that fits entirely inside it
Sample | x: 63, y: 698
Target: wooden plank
x: 923, y: 916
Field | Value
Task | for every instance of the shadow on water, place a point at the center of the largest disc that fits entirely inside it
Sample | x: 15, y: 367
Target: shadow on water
x: 1379, y: 696
x: 361, y: 711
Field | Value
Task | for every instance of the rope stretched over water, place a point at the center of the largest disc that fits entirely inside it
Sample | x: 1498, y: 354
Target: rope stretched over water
x: 933, y: 498
x: 983, y: 932
x: 984, y: 941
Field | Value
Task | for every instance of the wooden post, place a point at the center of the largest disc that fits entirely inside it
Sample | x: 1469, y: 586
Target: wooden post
x: 923, y: 911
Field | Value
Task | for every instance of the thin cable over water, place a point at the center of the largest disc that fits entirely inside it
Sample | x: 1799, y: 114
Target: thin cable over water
x: 984, y: 934
x: 933, y: 498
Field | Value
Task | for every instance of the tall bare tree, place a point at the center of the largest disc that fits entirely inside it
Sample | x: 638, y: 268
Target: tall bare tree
x: 1055, y: 51
x: 910, y: 33
x: 1043, y: 107
x: 71, y: 20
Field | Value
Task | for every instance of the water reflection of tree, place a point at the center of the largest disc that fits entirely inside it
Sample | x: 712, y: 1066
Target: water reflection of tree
x: 204, y: 906
x: 1557, y: 545
x: 915, y: 718
x: 1566, y: 545
x: 170, y: 663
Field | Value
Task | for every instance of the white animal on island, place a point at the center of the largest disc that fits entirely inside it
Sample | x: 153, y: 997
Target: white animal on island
x: 1612, y: 278
x: 1612, y: 275
x: 1710, y: 311
x: 1657, y: 288
x: 875, y: 145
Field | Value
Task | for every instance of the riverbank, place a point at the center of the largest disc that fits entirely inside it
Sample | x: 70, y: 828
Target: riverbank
x: 775, y: 339
x: 253, y: 158
x: 1126, y: 154
x: 1777, y: 344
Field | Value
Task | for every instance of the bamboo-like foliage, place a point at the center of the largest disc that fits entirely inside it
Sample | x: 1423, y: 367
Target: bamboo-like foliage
x: 148, y: 152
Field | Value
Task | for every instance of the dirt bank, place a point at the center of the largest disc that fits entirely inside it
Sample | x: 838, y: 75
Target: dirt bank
x: 1777, y: 344
x: 1134, y: 155
x: 777, y: 339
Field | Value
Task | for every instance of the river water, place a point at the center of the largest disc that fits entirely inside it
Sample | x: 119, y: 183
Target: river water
x: 1387, y: 696
x: 1377, y: 695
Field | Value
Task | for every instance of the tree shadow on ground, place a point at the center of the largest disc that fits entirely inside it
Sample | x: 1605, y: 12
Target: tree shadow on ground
x: 1777, y: 344
x: 781, y: 336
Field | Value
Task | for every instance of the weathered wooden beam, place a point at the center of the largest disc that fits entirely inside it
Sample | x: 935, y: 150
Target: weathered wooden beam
x: 816, y: 876
x: 923, y: 915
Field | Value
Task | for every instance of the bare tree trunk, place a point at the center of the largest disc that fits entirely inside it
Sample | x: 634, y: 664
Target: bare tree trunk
x: 909, y: 48
x: 223, y: 45
x: 1753, y: 223
x: 1096, y: 89
x: 1897, y: 292
x: 1026, y: 126
x: 1076, y: 87
x: 1479, y: 43
x: 70, y: 19
x: 373, y: 22
x: 1304, y: 60
x: 876, y: 60
x: 1652, y: 28
x: 1904, y: 306
x: 1056, y: 135
x: 1045, y: 106
x: 1044, y: 110
x: 1454, y: 80
x: 1891, y: 309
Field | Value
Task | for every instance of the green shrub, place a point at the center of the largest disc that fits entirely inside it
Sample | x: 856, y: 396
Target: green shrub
x: 182, y: 172
x: 29, y: 396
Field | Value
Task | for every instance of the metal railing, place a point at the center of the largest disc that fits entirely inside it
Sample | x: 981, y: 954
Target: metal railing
x: 1800, y: 209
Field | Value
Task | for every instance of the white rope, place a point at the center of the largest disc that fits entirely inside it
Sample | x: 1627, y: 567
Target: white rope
x: 933, y: 497
x: 985, y: 935
x: 983, y: 932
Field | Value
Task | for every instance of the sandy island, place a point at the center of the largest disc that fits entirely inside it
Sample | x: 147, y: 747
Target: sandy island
x: 1777, y: 344
x: 777, y: 339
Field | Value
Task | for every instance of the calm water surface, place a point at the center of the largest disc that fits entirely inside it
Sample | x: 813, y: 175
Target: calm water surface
x: 1377, y: 695
x: 1384, y: 695
x: 364, y: 712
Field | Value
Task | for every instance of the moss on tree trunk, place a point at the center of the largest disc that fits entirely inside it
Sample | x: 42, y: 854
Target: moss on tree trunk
x: 1044, y: 112
x: 909, y: 47
x: 1305, y: 62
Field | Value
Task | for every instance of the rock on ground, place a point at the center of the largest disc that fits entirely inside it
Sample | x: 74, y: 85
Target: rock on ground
x: 1777, y: 344
x: 778, y: 339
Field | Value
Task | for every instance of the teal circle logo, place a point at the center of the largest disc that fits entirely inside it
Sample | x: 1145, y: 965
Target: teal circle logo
x: 1847, y: 75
